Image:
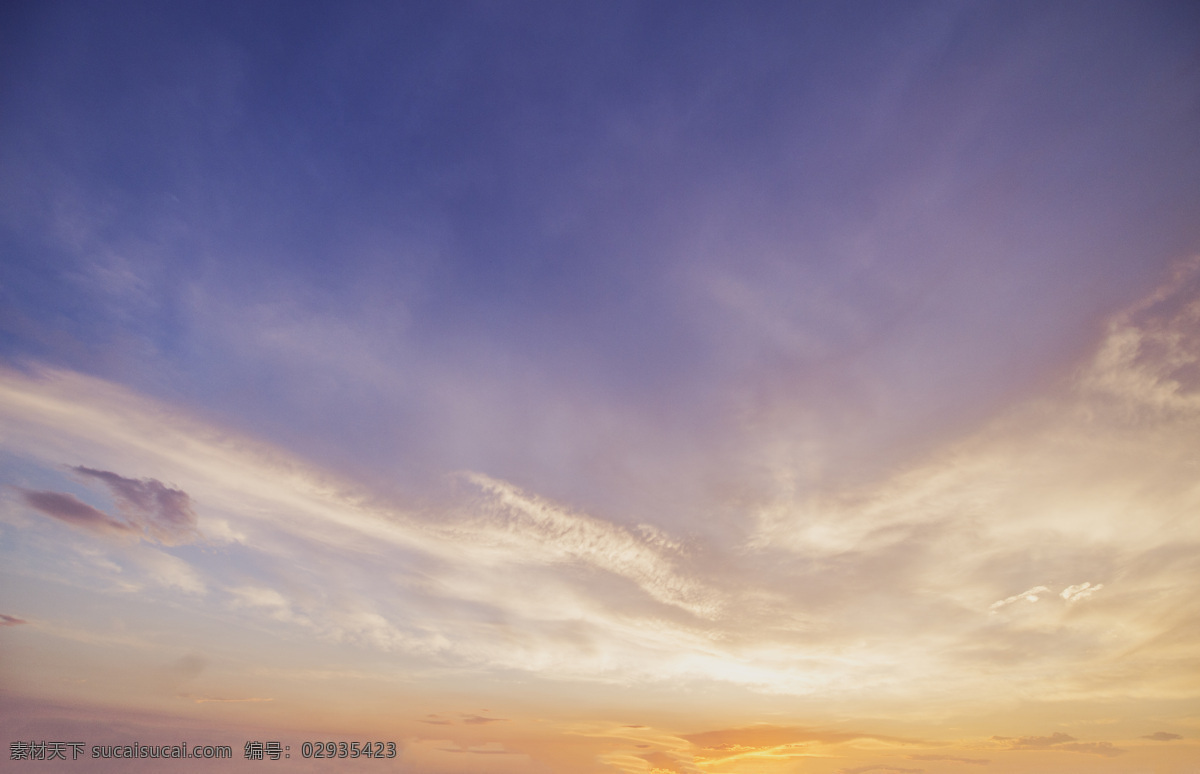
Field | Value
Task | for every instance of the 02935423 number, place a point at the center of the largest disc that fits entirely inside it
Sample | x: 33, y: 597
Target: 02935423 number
x: 348, y: 749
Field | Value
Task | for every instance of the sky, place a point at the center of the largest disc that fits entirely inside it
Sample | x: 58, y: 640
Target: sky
x: 628, y: 388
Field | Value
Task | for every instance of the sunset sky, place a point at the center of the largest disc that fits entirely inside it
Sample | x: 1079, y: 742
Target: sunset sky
x: 613, y: 388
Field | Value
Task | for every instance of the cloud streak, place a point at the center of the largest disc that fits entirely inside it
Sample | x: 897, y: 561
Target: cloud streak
x: 1063, y: 742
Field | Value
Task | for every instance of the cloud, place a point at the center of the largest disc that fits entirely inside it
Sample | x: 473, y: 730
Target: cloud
x: 546, y: 531
x: 178, y: 673
x: 851, y: 591
x: 68, y: 508
x: 1061, y: 741
x: 1070, y: 594
x: 491, y: 748
x: 149, y: 509
x: 660, y: 761
x: 164, y: 513
x: 864, y: 769
x: 270, y: 601
x: 1035, y: 742
x: 1162, y: 736
x: 1082, y: 591
x: 1105, y: 749
x: 951, y: 758
x: 766, y: 737
x: 479, y: 720
x: 11, y: 620
x: 1029, y: 596
x: 166, y: 569
x: 1150, y: 358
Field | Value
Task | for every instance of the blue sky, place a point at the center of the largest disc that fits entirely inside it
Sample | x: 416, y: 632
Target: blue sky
x: 678, y: 213
x: 701, y: 300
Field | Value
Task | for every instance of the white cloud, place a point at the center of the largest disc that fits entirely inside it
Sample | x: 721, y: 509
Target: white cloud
x: 1030, y: 595
x: 1081, y: 591
x: 528, y: 528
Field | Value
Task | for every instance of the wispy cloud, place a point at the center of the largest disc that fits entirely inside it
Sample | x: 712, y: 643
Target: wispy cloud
x: 220, y: 700
x: 1060, y: 741
x: 661, y: 761
x: 539, y: 529
x: 11, y: 620
x: 491, y: 748
x: 1080, y: 591
x: 753, y: 740
x: 1030, y: 595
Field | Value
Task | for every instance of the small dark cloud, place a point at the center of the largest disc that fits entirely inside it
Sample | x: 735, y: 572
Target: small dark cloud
x: 479, y: 720
x: 75, y: 512
x: 11, y: 620
x: 187, y: 667
x: 172, y: 677
x: 165, y: 514
x: 1162, y: 736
